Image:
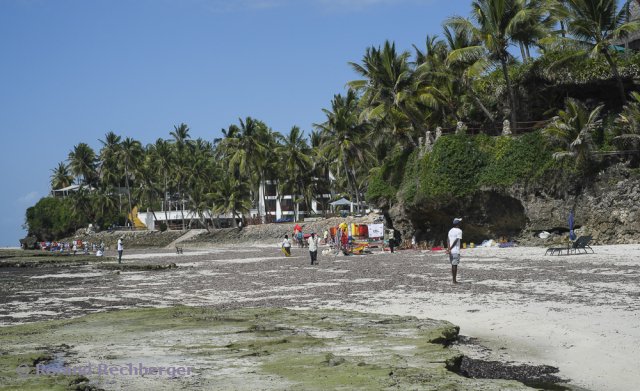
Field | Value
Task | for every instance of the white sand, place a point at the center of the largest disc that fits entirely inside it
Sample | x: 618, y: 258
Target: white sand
x: 596, y: 345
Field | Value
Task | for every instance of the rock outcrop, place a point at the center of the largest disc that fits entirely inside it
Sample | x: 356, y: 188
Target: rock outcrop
x: 607, y: 208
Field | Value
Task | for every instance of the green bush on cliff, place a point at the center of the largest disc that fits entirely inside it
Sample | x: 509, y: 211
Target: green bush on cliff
x: 460, y: 165
x: 452, y: 168
x: 516, y: 159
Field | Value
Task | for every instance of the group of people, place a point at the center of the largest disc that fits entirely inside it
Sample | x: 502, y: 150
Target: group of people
x: 73, y: 247
x: 85, y: 248
x: 454, y: 239
x: 312, y: 243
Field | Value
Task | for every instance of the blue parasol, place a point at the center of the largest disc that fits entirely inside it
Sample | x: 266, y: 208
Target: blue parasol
x: 572, y: 235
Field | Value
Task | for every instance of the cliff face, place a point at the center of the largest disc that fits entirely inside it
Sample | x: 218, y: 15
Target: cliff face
x: 607, y: 208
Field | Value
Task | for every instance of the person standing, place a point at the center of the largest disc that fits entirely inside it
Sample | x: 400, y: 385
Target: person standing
x: 286, y: 246
x: 313, y: 248
x: 120, y: 249
x: 453, y: 247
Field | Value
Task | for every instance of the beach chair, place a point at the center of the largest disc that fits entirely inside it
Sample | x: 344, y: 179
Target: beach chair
x: 557, y: 250
x: 582, y: 243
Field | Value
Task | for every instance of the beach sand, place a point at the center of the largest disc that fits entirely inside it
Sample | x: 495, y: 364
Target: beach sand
x: 579, y: 312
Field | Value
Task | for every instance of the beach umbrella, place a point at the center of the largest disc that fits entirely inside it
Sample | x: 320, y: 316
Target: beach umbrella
x: 572, y: 234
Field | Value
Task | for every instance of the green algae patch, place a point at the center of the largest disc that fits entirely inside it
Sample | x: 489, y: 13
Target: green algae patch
x: 248, y: 348
x: 39, y: 258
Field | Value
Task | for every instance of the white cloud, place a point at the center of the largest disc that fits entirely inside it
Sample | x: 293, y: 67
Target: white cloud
x: 29, y: 198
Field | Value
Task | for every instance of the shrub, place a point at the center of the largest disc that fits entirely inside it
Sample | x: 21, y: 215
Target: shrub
x: 52, y: 218
x: 516, y: 159
x: 452, y: 168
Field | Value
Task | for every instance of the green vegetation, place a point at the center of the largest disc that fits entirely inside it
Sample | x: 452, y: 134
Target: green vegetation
x: 52, y: 218
x: 574, y: 86
x: 243, y: 348
x: 460, y: 165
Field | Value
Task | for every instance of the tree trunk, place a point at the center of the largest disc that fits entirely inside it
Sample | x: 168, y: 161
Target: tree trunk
x: 182, y: 206
x: 166, y: 216
x: 347, y: 172
x: 616, y: 74
x: 130, y: 214
x: 482, y: 106
x: 512, y: 95
x: 523, y: 54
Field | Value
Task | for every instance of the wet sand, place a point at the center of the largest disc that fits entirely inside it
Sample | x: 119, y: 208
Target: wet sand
x: 579, y: 313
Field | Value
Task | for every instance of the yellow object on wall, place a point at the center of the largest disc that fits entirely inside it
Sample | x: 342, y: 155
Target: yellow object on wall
x: 133, y: 216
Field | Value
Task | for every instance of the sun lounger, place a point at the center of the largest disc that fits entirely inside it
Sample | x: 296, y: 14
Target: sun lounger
x: 557, y: 250
x: 582, y: 243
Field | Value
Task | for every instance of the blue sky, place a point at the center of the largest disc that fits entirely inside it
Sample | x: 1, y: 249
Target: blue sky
x: 73, y: 70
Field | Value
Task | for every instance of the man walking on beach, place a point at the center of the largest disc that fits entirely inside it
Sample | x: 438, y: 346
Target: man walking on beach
x: 313, y: 248
x: 120, y: 249
x: 453, y: 246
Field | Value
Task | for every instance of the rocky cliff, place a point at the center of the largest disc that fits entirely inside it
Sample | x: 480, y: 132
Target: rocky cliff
x: 606, y: 207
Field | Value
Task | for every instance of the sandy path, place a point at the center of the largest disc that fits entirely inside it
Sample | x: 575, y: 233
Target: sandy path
x: 579, y: 313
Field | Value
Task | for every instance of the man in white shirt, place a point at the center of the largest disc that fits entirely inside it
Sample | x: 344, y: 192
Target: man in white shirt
x: 453, y: 246
x: 313, y: 248
x: 120, y: 249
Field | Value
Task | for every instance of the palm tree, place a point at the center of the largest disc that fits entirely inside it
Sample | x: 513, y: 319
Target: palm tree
x: 468, y: 67
x: 231, y: 196
x: 573, y: 128
x: 497, y: 23
x: 130, y: 155
x: 246, y: 152
x: 109, y: 172
x: 147, y: 190
x: 82, y: 161
x: 345, y: 138
x: 81, y: 206
x: 388, y: 90
x: 296, y: 163
x: 161, y: 155
x: 321, y: 183
x: 597, y: 24
x: 182, y: 150
x: 534, y: 25
x: 199, y: 177
x: 104, y: 202
x: 61, y: 177
x: 629, y: 122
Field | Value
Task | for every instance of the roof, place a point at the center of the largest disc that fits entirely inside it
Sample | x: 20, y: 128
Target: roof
x: 74, y: 188
x: 341, y: 201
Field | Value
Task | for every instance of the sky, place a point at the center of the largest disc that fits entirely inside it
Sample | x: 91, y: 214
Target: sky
x: 73, y: 70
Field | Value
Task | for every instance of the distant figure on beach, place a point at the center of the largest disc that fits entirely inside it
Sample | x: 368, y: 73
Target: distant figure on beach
x: 313, y: 248
x: 325, y: 236
x: 286, y: 246
x: 453, y: 247
x: 120, y: 249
